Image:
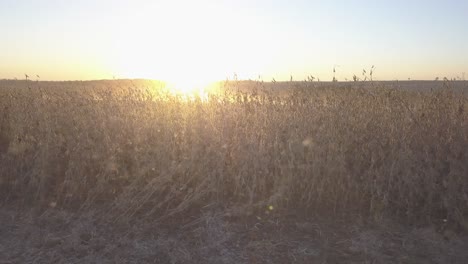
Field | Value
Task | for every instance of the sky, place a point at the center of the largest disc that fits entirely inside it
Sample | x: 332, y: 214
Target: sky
x: 201, y: 41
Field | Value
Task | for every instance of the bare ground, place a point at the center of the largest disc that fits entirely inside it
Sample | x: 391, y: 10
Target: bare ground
x: 58, y: 236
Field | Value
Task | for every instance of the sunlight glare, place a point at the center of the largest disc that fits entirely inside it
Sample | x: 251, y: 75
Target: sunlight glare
x: 189, y: 88
x: 188, y: 48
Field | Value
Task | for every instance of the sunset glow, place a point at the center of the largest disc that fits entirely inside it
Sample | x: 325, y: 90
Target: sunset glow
x: 233, y: 131
x: 192, y: 43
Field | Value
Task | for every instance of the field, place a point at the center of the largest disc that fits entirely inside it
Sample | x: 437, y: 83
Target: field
x: 295, y: 172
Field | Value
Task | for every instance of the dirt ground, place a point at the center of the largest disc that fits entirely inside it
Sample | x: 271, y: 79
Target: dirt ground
x: 62, y: 237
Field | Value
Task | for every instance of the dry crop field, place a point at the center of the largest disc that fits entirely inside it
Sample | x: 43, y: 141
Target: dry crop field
x: 124, y: 171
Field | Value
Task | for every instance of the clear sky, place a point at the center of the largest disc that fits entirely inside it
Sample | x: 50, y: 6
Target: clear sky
x: 210, y: 40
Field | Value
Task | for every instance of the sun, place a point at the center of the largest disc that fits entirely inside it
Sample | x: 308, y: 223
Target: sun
x: 187, y: 77
x: 185, y: 71
x: 187, y: 48
x: 189, y: 86
x: 183, y: 86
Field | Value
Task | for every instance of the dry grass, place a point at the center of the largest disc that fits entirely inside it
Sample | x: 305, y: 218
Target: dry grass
x: 130, y: 149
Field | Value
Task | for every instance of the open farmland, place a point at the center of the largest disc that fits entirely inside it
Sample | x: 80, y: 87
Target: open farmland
x: 305, y: 172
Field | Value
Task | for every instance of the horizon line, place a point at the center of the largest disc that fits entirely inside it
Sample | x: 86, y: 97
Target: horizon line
x: 242, y: 80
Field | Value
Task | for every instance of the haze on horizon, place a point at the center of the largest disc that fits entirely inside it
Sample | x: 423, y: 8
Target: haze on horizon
x: 211, y: 40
